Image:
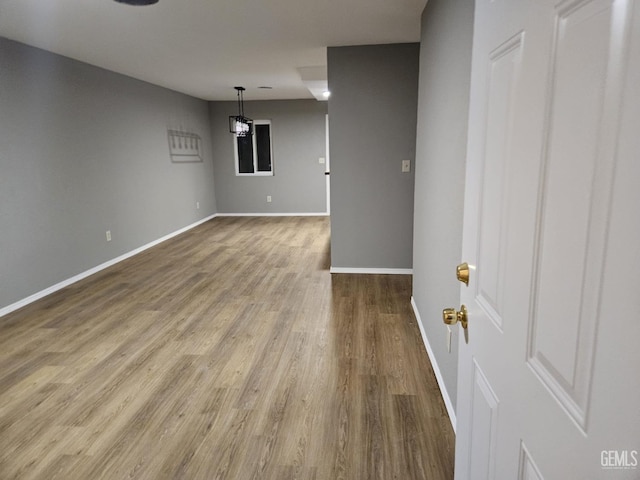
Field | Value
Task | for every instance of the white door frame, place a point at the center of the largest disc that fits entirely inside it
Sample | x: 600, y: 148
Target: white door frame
x: 327, y: 167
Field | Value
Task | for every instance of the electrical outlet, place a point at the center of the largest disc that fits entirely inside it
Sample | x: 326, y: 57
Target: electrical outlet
x: 268, y: 198
x: 321, y: 160
x: 108, y: 233
x: 197, y: 205
x: 406, y: 166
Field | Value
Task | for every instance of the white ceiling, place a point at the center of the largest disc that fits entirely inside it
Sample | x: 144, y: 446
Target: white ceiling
x: 206, y: 47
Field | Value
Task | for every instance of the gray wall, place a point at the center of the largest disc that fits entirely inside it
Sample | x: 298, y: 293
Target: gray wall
x: 372, y: 128
x: 83, y: 150
x: 298, y: 141
x: 445, y: 65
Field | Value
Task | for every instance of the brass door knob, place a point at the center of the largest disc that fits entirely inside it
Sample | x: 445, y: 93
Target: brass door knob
x: 462, y: 273
x: 450, y: 316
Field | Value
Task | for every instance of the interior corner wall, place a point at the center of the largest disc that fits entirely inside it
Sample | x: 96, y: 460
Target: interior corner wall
x: 298, y: 134
x: 372, y: 129
x: 84, y: 150
x: 445, y: 67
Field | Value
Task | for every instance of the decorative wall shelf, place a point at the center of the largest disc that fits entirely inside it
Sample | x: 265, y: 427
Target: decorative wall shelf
x: 184, y: 147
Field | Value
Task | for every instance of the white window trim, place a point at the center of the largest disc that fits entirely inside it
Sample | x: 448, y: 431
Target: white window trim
x: 255, y: 173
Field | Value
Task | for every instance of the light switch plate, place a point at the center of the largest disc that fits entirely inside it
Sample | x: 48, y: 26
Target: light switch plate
x: 406, y: 166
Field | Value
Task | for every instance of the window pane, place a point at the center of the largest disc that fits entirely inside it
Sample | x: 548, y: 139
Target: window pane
x: 263, y: 147
x: 245, y: 154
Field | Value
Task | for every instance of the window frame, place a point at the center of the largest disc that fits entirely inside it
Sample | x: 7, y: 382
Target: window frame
x: 255, y: 173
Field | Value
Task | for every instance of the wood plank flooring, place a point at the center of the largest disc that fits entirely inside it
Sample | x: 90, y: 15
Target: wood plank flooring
x: 229, y: 352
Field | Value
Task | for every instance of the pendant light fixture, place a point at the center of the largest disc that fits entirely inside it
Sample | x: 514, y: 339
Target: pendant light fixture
x: 239, y: 124
x: 138, y: 3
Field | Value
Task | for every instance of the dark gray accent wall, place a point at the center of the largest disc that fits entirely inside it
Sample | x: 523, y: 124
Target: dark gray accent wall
x: 372, y: 128
x: 82, y: 151
x: 445, y: 66
x: 298, y: 135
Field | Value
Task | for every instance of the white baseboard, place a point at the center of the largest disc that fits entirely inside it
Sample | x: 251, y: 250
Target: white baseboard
x: 443, y: 389
x: 373, y: 271
x: 65, y: 283
x: 304, y: 214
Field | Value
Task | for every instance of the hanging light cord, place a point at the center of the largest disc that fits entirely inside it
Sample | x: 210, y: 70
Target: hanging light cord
x: 240, y: 101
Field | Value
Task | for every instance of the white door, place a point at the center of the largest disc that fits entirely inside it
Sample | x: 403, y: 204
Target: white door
x: 549, y: 381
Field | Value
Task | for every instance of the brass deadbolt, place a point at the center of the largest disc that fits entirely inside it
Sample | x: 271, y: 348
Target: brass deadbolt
x: 462, y: 273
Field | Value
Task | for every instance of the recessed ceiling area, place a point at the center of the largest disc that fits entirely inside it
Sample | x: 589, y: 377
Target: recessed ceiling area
x: 205, y: 47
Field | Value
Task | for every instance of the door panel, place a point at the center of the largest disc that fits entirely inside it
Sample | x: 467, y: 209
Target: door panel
x: 528, y: 469
x: 484, y: 416
x: 584, y: 93
x: 502, y: 66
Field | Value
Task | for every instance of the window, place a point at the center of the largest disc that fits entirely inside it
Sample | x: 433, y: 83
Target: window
x: 253, y: 153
